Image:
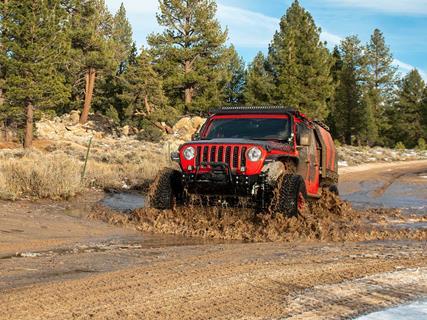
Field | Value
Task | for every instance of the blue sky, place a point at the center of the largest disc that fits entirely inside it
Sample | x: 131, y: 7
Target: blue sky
x: 252, y: 23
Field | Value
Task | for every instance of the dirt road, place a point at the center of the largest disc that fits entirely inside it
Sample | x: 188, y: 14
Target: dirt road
x: 55, y: 264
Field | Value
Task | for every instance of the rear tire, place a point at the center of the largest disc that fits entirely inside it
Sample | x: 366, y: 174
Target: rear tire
x: 291, y: 196
x: 334, y: 189
x: 165, y: 190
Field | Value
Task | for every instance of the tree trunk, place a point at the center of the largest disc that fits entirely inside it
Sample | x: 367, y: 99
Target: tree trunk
x: 147, y: 105
x: 188, y: 99
x: 90, y: 86
x: 1, y: 48
x: 28, y: 138
x: 347, y: 138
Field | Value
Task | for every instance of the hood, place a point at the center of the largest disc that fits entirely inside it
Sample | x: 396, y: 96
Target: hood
x: 267, y: 145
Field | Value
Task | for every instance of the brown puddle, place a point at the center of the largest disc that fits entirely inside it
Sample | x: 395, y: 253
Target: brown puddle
x: 329, y: 219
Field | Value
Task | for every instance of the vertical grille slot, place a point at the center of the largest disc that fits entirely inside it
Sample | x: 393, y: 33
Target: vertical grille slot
x: 243, y: 157
x: 227, y: 155
x: 198, y: 155
x: 205, y: 153
x: 213, y: 154
x: 221, y: 154
x: 235, y: 163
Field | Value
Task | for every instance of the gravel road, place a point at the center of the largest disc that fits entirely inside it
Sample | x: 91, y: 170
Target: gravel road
x: 56, y: 264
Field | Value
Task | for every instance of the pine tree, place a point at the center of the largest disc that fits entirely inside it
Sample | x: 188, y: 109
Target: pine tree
x: 335, y: 73
x: 381, y: 80
x: 143, y: 92
x: 91, y: 38
x: 190, y: 54
x: 424, y: 113
x: 259, y: 89
x: 35, y: 43
x: 110, y: 87
x: 408, y: 111
x: 122, y: 39
x: 3, y: 4
x: 301, y: 65
x: 234, y: 86
x: 349, y: 109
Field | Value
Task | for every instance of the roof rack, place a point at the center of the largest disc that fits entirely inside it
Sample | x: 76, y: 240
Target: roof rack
x: 321, y: 124
x: 252, y: 109
x: 266, y: 109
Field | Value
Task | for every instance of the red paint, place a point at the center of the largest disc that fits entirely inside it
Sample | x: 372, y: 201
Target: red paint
x: 276, y: 150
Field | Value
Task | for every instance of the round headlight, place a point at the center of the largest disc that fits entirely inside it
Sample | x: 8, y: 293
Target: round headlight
x: 254, y: 154
x: 189, y: 153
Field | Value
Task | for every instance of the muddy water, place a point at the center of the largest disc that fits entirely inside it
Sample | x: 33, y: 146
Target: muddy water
x: 390, y: 188
x: 121, y: 273
x: 405, y: 191
x: 124, y: 201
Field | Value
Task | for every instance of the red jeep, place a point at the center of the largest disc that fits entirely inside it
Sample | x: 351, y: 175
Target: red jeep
x: 272, y: 157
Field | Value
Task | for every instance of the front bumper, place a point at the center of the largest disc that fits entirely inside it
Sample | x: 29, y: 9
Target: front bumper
x: 222, y: 181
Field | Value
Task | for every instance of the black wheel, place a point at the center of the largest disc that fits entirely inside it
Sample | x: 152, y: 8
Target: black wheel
x: 290, y: 196
x: 166, y: 190
x: 334, y: 189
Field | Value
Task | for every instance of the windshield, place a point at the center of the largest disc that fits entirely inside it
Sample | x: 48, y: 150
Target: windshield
x: 249, y: 128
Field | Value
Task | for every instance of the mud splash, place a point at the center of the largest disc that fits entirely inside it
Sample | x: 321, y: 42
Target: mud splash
x: 329, y: 219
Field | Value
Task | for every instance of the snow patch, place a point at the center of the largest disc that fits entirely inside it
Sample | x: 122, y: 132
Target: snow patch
x: 414, y: 311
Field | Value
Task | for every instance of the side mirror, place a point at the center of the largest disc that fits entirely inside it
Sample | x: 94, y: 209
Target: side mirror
x: 175, y: 156
x: 305, y: 138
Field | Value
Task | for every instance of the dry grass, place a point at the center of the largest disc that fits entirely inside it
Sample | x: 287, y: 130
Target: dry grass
x: 129, y: 175
x: 57, y: 175
x: 34, y: 175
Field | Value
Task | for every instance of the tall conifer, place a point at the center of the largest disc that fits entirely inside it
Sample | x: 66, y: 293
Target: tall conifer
x: 235, y: 82
x: 143, y: 92
x: 408, y: 113
x: 35, y: 44
x: 190, y: 53
x: 91, y: 38
x: 301, y: 64
x: 381, y: 81
x: 259, y: 89
x: 348, y: 108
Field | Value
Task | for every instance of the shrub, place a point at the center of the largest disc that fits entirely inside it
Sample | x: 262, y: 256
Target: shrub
x: 421, y: 144
x: 53, y: 176
x: 149, y: 132
x: 337, y: 143
x: 400, y: 146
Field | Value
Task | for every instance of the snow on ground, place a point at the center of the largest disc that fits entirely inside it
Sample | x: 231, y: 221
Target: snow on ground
x: 413, y: 311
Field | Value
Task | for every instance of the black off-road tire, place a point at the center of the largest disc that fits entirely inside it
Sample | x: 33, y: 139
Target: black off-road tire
x: 334, y: 189
x: 166, y: 190
x: 290, y: 196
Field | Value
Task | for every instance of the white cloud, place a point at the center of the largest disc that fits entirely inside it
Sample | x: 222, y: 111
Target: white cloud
x: 330, y: 38
x: 411, y: 7
x: 405, y: 68
x: 247, y: 28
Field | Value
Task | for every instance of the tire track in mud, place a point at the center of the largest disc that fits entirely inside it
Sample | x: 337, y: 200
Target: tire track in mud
x: 353, y: 298
x: 226, y: 282
x: 322, y: 272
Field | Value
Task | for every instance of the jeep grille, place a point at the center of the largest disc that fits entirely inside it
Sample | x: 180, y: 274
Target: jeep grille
x: 234, y: 156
